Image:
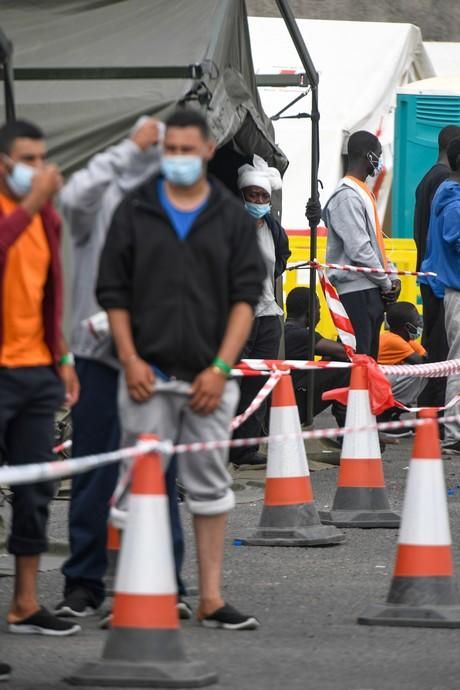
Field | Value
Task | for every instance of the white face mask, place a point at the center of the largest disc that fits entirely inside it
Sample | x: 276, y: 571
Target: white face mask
x: 376, y: 162
x: 19, y: 180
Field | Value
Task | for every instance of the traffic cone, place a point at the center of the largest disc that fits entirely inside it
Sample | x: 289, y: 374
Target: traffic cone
x: 361, y: 498
x: 113, y: 549
x: 144, y: 646
x: 289, y: 516
x: 423, y: 591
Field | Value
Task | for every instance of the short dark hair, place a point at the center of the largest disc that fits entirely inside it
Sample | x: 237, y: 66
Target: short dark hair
x: 360, y: 143
x: 400, y: 313
x: 298, y: 303
x: 188, y: 118
x: 19, y: 129
x: 446, y: 135
x: 453, y: 154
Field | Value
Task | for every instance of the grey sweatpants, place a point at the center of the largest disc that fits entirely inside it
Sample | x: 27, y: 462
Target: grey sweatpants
x: 452, y: 321
x: 169, y: 415
x: 406, y: 389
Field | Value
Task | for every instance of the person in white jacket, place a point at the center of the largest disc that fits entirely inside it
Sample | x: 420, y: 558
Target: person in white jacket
x: 88, y: 201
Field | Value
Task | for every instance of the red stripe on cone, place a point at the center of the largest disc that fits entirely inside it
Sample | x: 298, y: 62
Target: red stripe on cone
x: 283, y: 394
x: 286, y: 491
x: 361, y: 473
x: 113, y: 538
x: 359, y: 379
x: 413, y: 560
x: 148, y: 479
x: 426, y: 443
x: 145, y: 611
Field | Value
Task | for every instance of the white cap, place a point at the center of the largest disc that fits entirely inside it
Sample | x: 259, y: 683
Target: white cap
x: 259, y: 174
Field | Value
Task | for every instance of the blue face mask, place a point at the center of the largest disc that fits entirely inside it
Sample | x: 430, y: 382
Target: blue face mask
x: 257, y: 211
x: 20, y: 179
x: 182, y: 171
x: 376, y: 162
x: 413, y: 331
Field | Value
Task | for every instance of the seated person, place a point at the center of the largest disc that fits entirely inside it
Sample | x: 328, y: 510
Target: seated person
x: 296, y: 334
x: 399, y: 345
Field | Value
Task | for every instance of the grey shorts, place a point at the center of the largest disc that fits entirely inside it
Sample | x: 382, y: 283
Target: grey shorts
x: 168, y: 414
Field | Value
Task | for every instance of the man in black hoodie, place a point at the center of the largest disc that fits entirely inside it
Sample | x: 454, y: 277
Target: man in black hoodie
x: 180, y: 276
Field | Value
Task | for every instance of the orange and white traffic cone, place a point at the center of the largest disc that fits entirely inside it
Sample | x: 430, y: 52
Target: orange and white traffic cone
x: 113, y: 550
x: 144, y: 646
x: 289, y: 516
x: 423, y: 591
x: 361, y: 498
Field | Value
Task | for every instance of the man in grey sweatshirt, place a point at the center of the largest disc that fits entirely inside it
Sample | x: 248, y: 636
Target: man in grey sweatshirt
x: 88, y: 201
x: 355, y: 237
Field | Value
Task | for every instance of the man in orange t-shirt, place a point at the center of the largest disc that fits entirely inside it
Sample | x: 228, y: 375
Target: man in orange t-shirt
x: 36, y: 372
x: 399, y: 345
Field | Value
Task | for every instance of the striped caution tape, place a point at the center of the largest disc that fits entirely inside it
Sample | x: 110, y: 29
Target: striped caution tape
x: 357, y: 269
x: 47, y: 471
x: 264, y: 392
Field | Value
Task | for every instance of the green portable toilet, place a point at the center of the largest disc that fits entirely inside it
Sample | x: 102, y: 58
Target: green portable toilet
x: 423, y: 108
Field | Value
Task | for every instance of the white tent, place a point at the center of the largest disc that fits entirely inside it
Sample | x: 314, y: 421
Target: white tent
x: 360, y: 64
x: 445, y: 57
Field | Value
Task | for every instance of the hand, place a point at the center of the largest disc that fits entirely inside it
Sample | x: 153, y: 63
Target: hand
x: 71, y: 384
x: 140, y: 379
x: 46, y: 182
x: 390, y: 296
x: 146, y: 135
x: 313, y: 212
x: 207, y: 390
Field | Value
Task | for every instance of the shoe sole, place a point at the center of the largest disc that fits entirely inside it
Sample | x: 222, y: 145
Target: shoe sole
x: 404, y: 434
x: 38, y: 630
x: 448, y: 451
x: 184, y: 612
x: 249, y: 624
x: 67, y: 612
x: 5, y: 676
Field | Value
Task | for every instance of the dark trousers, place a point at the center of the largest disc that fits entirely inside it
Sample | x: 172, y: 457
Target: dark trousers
x: 325, y: 380
x: 263, y: 343
x: 29, y: 399
x: 434, y: 340
x: 96, y: 430
x: 366, y: 311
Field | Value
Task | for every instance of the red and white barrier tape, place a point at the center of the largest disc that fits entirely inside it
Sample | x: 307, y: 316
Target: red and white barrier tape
x: 25, y: 474
x: 62, y: 446
x: 356, y: 269
x: 338, y: 313
x: 262, y: 367
x: 258, y: 400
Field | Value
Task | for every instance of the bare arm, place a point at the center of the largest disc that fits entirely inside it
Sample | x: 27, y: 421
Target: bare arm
x: 139, y: 376
x: 330, y: 348
x: 208, y: 386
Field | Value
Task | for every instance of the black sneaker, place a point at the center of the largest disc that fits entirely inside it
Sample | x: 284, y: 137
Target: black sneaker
x: 253, y: 459
x: 79, y: 603
x: 44, y: 623
x: 229, y: 618
x: 452, y: 448
x: 184, y: 610
x: 5, y: 671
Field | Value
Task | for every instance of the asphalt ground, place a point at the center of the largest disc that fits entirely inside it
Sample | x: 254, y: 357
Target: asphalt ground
x: 307, y: 600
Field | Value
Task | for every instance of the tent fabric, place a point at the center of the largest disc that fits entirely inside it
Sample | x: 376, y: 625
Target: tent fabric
x: 83, y: 117
x: 360, y: 66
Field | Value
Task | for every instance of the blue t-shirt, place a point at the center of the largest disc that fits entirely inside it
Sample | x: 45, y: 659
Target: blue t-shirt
x: 181, y: 221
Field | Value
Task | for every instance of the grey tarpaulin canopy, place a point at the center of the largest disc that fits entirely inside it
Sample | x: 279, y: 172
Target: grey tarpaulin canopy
x: 160, y: 39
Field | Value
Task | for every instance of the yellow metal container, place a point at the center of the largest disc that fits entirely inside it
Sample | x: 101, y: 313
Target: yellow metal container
x: 402, y: 253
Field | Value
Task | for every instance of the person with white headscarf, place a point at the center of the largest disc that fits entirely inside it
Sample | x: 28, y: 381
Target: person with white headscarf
x: 256, y: 183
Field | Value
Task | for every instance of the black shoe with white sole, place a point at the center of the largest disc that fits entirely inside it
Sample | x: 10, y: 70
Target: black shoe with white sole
x: 452, y: 448
x: 79, y: 603
x: 44, y: 623
x: 229, y: 618
x: 184, y: 610
x: 5, y: 671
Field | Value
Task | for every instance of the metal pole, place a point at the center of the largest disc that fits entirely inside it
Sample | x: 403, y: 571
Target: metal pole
x: 6, y: 52
x: 313, y: 78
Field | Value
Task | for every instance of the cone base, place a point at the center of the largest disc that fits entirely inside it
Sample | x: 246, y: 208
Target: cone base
x: 292, y: 525
x: 424, y: 591
x: 124, y: 674
x: 412, y: 616
x: 362, y: 519
x: 317, y: 535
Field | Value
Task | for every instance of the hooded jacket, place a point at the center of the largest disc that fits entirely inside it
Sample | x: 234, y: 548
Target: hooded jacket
x: 88, y: 201
x: 442, y: 254
x: 179, y: 292
x: 281, y: 242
